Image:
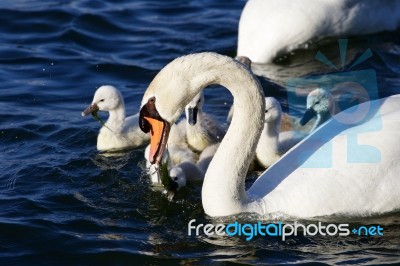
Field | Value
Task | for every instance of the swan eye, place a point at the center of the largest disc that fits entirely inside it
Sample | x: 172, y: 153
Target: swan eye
x: 317, y: 102
x: 266, y: 111
x: 152, y: 99
x: 102, y: 100
x: 175, y: 178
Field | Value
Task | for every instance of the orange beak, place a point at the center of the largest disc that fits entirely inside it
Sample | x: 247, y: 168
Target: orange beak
x: 156, y: 133
x: 151, y: 122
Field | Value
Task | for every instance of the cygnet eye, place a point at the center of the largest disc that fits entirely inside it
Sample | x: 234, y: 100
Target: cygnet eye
x: 266, y: 111
x: 175, y: 178
x: 317, y: 102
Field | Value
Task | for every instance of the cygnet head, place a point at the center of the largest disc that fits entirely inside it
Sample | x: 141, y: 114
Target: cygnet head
x: 273, y: 110
x: 319, y: 102
x: 106, y: 98
x: 193, y: 108
x: 178, y: 180
x: 178, y: 176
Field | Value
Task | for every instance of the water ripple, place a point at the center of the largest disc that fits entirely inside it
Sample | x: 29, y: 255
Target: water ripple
x: 62, y: 202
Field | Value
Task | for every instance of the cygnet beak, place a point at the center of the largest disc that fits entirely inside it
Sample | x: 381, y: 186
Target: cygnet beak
x: 310, y: 113
x: 192, y: 115
x: 90, y: 109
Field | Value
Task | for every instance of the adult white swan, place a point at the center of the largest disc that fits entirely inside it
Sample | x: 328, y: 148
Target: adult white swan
x: 119, y: 132
x: 287, y: 186
x: 274, y: 27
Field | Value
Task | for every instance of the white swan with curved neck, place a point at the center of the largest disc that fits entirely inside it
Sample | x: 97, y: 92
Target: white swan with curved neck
x: 119, y: 132
x: 287, y: 186
x: 270, y: 28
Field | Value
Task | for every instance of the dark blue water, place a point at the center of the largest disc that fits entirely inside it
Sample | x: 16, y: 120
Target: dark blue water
x: 61, y: 203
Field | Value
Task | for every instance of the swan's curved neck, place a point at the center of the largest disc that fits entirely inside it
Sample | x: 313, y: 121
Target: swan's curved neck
x: 116, y: 119
x: 223, y: 191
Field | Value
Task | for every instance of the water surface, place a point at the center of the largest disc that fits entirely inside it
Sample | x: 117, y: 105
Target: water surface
x: 63, y: 203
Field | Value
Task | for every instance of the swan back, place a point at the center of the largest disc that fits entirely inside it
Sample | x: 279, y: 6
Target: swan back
x: 341, y: 168
x: 288, y: 25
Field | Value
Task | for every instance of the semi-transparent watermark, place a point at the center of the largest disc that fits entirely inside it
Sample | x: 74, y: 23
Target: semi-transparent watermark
x: 350, y: 87
x: 281, y: 230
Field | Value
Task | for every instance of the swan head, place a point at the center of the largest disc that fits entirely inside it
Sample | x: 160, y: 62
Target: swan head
x: 319, y: 102
x: 273, y: 110
x: 177, y: 84
x: 168, y: 94
x: 106, y: 98
x: 150, y: 121
x: 192, y: 109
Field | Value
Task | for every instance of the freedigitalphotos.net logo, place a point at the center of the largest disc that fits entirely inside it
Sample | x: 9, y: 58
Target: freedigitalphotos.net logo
x: 251, y: 230
x: 345, y: 84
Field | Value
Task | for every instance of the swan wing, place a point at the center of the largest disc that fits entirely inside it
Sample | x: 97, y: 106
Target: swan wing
x: 340, y: 168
